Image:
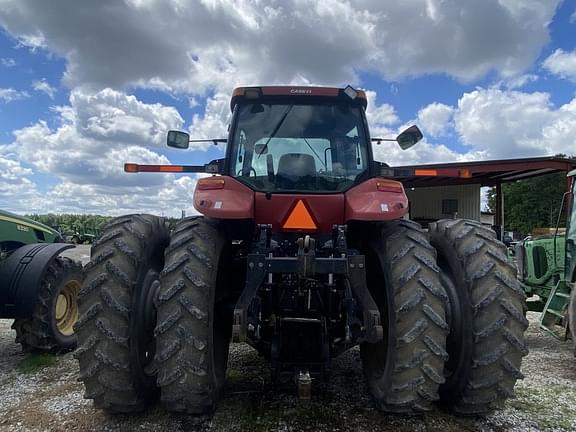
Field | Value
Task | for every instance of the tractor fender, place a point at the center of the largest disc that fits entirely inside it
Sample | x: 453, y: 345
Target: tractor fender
x: 21, y: 276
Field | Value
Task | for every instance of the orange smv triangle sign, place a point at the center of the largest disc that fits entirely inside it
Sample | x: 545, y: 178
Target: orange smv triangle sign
x: 300, y: 218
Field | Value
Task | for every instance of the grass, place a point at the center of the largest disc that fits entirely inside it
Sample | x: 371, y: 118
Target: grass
x: 262, y: 411
x: 313, y: 414
x: 35, y: 362
x: 552, y: 407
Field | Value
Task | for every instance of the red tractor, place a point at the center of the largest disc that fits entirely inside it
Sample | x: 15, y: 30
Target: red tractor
x: 303, y: 251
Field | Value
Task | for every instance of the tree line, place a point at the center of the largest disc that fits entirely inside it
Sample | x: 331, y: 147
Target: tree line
x: 532, y: 203
x: 70, y: 224
x: 73, y: 223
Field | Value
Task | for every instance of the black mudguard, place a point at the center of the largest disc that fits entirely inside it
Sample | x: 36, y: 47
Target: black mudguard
x: 21, y: 276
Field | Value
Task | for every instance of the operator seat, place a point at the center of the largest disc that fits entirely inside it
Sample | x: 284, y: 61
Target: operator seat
x: 293, y: 168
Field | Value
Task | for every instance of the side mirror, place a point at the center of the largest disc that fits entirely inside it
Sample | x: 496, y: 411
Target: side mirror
x: 178, y: 139
x: 409, y: 137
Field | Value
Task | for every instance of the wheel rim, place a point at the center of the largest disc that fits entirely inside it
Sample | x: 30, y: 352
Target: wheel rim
x: 66, y: 308
x: 454, y: 320
x: 379, y: 357
x: 143, y: 321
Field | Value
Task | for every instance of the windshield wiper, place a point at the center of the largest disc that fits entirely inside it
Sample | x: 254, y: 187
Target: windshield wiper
x: 275, y: 130
x: 317, y: 156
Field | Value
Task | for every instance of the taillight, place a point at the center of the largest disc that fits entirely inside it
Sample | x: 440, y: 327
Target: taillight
x: 389, y: 186
x: 210, y: 183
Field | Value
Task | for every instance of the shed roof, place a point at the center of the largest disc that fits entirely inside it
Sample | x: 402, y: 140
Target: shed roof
x: 489, y: 173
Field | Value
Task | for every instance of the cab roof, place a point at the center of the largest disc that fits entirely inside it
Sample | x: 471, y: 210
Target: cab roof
x: 298, y: 93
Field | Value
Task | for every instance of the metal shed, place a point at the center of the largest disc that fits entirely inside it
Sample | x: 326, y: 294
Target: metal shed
x: 434, y: 195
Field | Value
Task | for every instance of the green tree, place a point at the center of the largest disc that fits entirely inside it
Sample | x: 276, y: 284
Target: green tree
x: 73, y: 223
x: 531, y: 203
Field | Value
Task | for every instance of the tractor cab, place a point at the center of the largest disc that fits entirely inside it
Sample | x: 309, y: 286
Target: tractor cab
x: 299, y: 146
x: 293, y: 148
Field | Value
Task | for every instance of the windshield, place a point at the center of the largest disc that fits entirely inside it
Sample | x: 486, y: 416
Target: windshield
x: 302, y: 148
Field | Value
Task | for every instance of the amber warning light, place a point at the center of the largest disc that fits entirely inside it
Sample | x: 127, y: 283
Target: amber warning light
x: 136, y: 168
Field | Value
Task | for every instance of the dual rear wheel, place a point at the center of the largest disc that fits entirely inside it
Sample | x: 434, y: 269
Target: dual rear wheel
x: 455, y: 314
x: 147, y: 326
x: 152, y: 324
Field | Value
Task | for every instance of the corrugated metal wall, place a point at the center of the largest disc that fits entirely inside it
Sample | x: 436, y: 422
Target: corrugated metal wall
x: 426, y: 202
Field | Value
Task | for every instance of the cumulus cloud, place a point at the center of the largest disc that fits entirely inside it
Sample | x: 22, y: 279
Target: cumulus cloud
x: 509, y: 124
x: 435, y: 119
x: 168, y: 198
x: 16, y: 186
x: 562, y: 63
x: 194, y: 46
x: 384, y: 122
x: 43, y: 87
x: 380, y: 116
x: 213, y: 123
x: 110, y: 115
x: 8, y: 95
x: 492, y: 124
x: 97, y: 133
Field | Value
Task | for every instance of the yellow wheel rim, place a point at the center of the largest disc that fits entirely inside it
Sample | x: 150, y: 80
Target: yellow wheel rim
x: 66, y: 310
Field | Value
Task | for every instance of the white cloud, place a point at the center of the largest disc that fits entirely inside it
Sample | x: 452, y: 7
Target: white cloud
x: 383, y: 122
x: 492, y: 123
x: 44, y: 87
x: 85, y: 154
x: 7, y: 62
x: 15, y: 185
x: 435, y: 119
x: 168, y: 198
x: 517, y: 82
x: 110, y: 115
x: 98, y: 133
x: 195, y: 46
x: 213, y: 123
x: 8, y: 95
x: 562, y: 63
x: 510, y: 124
x: 381, y: 116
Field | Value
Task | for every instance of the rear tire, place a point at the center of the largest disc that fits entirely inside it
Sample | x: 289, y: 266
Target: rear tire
x: 50, y: 329
x: 404, y: 371
x: 487, y: 322
x: 192, y: 336
x: 115, y: 329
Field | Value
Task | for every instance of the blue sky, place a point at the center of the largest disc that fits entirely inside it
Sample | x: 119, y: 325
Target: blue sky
x: 86, y: 86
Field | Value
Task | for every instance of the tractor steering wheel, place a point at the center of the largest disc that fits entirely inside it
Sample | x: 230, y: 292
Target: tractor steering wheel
x: 252, y: 170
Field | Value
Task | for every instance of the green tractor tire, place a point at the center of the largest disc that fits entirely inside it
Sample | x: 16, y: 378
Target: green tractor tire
x: 51, y: 326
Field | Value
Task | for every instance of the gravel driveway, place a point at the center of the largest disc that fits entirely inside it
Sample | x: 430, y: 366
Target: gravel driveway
x: 48, y: 398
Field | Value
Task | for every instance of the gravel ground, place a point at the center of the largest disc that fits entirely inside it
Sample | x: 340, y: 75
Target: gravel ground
x: 49, y: 398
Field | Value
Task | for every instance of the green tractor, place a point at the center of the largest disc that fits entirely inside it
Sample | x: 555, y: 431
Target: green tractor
x: 38, y: 287
x: 87, y: 236
x: 546, y: 270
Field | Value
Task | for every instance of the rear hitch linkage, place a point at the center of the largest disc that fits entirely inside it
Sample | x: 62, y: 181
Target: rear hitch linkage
x: 306, y: 264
